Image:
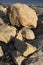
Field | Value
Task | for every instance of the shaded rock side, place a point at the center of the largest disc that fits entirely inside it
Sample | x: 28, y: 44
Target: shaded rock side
x: 23, y: 47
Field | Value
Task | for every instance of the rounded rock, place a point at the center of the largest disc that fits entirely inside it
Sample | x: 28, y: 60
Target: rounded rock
x: 26, y: 33
x: 22, y: 14
x: 1, y: 52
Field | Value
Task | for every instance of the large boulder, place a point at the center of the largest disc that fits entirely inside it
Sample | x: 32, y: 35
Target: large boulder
x: 6, y: 32
x: 22, y: 14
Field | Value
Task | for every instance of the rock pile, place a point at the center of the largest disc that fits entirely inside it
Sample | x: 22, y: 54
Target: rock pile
x: 17, y: 39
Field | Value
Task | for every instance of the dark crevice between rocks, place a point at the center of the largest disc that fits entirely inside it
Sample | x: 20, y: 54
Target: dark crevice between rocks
x: 4, y: 17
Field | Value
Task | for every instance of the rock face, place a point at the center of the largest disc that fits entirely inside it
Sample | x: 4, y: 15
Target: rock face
x: 6, y: 32
x: 22, y: 14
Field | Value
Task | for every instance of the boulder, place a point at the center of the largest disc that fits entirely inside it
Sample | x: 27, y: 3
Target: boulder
x: 6, y: 32
x: 22, y: 14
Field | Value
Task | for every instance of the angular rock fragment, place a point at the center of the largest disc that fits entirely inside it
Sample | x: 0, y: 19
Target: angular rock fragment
x: 19, y: 36
x: 6, y: 32
x: 1, y: 52
x: 30, y: 49
x: 22, y: 14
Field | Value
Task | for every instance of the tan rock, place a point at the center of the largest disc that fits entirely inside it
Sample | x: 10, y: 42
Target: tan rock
x: 23, y: 14
x: 26, y: 33
x: 19, y: 36
x: 6, y: 32
x: 19, y: 60
x: 30, y: 34
x: 30, y: 49
x: 3, y: 9
x: 1, y: 52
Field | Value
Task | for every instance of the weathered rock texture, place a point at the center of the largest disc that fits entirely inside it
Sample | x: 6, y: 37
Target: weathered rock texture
x: 22, y: 14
